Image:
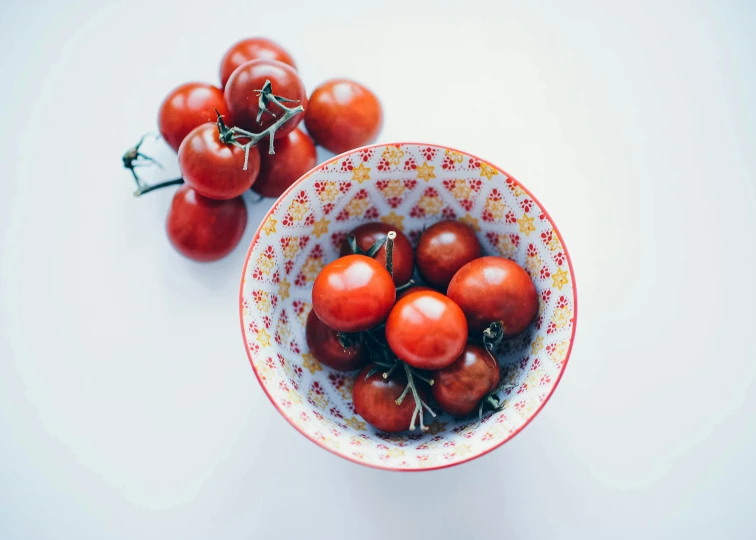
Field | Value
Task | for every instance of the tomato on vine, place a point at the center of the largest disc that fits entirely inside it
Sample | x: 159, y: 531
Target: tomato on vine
x: 214, y: 168
x: 345, y: 353
x: 205, y: 229
x: 295, y: 155
x: 186, y: 107
x: 369, y: 236
x: 460, y: 387
x: 254, y: 109
x: 444, y: 248
x: 258, y: 48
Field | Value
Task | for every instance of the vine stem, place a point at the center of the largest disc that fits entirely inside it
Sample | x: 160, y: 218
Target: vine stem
x: 419, y: 403
x: 142, y: 189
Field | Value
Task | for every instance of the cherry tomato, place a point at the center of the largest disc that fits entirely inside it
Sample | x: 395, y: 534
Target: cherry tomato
x: 353, y: 293
x: 343, y: 115
x: 252, y: 49
x: 295, y: 155
x: 444, y: 248
x: 375, y: 400
x: 324, y: 345
x: 187, y: 107
x: 204, y: 229
x: 242, y: 101
x: 459, y: 387
x: 216, y: 169
x: 427, y: 330
x: 494, y: 289
x: 410, y: 290
x: 368, y: 234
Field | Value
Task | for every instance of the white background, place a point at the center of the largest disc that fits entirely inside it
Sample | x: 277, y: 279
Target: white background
x: 127, y: 405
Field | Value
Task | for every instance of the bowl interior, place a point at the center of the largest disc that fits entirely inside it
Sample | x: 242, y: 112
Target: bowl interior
x: 409, y: 186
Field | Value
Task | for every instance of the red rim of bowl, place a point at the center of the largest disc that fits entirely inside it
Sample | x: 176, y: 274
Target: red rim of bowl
x: 409, y: 469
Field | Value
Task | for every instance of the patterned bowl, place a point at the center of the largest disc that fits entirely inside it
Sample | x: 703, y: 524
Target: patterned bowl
x: 410, y: 186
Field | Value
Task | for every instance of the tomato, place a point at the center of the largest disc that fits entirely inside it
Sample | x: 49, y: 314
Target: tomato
x: 252, y: 49
x: 204, y: 229
x: 187, y: 107
x: 410, y: 290
x: 427, y: 330
x: 216, y: 169
x: 353, y: 293
x: 444, y: 248
x: 375, y: 400
x: 243, y: 102
x: 494, y: 289
x: 459, y: 388
x: 368, y: 234
x: 342, y: 115
x: 324, y: 345
x: 295, y: 155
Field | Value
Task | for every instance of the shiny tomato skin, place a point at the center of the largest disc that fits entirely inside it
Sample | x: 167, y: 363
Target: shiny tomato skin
x: 444, y: 248
x: 295, y: 155
x: 242, y: 101
x: 426, y: 330
x: 459, y: 387
x: 186, y: 107
x: 410, y: 290
x: 204, y: 229
x: 258, y: 48
x: 343, y: 115
x: 368, y: 234
x: 375, y: 400
x: 216, y: 169
x: 353, y: 293
x: 324, y: 345
x: 491, y: 289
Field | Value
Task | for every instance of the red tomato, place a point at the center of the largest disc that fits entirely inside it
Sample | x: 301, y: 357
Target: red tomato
x: 187, y: 107
x: 242, y: 101
x: 368, y: 234
x: 459, y: 388
x: 375, y: 400
x: 216, y: 169
x: 343, y: 115
x: 494, y: 289
x: 295, y: 155
x: 426, y: 330
x: 324, y: 345
x: 410, y: 290
x: 444, y: 248
x: 252, y: 49
x: 353, y: 293
x: 204, y: 229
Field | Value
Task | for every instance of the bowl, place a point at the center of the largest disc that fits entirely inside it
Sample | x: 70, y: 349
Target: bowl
x: 408, y: 185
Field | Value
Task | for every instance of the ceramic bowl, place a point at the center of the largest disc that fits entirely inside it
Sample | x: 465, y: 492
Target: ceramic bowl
x: 409, y: 186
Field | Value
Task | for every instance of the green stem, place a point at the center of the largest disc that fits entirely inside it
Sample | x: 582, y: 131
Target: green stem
x: 390, y: 237
x: 146, y: 188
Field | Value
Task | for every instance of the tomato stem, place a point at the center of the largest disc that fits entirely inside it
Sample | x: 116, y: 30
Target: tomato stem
x: 493, y: 335
x: 390, y: 237
x: 419, y: 403
x: 406, y: 286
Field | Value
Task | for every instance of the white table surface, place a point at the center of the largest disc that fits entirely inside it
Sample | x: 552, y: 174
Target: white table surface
x: 127, y: 405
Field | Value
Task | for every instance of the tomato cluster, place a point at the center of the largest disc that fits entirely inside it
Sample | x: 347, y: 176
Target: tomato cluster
x: 369, y: 313
x: 216, y: 130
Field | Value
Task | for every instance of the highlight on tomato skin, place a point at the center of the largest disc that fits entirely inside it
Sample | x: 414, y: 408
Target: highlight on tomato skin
x: 353, y: 294
x: 203, y: 229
